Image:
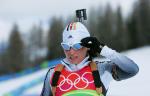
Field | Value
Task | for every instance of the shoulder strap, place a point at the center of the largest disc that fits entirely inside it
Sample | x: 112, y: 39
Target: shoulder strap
x: 55, y: 77
x: 96, y: 77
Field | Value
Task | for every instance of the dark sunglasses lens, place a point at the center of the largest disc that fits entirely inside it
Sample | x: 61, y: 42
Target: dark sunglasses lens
x: 77, y: 46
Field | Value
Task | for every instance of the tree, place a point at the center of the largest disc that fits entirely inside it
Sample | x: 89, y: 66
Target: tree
x: 143, y: 21
x: 15, y: 50
x: 139, y: 24
x: 105, y: 26
x: 92, y: 22
x: 3, y: 60
x: 35, y: 43
x: 132, y: 29
x: 121, y: 35
x: 54, y: 39
x: 36, y: 36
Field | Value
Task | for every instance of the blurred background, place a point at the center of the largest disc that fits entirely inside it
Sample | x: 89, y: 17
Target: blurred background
x: 31, y: 33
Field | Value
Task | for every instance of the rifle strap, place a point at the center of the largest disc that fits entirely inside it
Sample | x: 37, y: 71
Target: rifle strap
x: 96, y: 77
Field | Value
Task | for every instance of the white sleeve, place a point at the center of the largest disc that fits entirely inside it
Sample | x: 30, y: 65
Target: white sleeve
x: 120, y: 60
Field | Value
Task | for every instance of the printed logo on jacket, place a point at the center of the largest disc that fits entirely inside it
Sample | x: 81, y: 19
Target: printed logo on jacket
x: 74, y: 82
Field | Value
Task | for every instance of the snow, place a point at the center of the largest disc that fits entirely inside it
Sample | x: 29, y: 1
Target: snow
x: 138, y: 85
x: 135, y: 86
x: 13, y: 84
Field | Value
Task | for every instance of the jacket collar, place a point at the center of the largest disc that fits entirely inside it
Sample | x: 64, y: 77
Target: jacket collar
x: 75, y: 67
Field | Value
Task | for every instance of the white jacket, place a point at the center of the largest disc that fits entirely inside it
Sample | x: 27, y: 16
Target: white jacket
x: 122, y: 65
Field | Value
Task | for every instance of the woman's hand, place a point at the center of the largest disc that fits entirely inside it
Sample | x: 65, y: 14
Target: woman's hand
x: 92, y: 43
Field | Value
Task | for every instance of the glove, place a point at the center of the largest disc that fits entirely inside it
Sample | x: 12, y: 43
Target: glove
x: 94, y: 45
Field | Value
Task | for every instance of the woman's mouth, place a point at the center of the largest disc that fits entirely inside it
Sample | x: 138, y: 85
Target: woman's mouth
x: 73, y: 57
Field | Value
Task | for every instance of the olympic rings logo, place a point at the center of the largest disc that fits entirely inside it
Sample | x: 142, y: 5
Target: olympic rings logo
x: 73, y: 79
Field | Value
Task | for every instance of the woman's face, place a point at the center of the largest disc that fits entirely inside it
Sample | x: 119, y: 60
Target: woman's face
x: 76, y: 56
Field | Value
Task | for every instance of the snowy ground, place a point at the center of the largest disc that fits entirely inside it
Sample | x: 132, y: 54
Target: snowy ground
x: 136, y: 86
x: 17, y: 83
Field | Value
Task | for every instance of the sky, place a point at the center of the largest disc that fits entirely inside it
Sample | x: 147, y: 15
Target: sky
x: 28, y: 12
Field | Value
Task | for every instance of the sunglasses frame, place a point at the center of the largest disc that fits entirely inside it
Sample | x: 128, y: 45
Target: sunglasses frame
x: 71, y: 46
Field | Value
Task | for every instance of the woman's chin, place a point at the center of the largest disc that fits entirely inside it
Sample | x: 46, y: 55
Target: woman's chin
x: 73, y: 62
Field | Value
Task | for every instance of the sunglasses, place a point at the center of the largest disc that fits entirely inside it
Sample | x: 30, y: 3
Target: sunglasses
x: 67, y: 47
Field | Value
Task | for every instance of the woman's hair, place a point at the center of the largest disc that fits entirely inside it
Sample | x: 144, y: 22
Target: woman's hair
x: 92, y: 54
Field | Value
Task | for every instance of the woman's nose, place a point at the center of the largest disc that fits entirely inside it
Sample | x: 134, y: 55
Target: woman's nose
x: 72, y: 51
